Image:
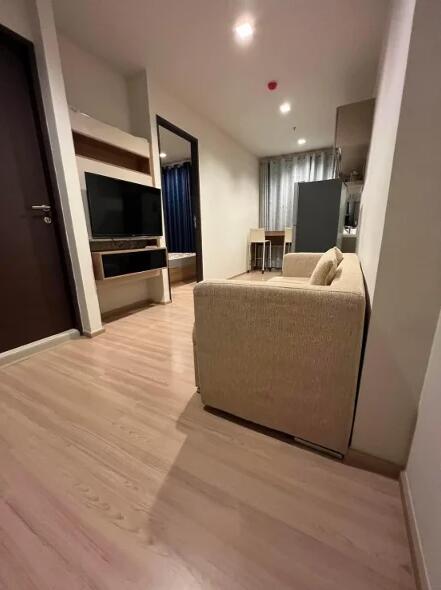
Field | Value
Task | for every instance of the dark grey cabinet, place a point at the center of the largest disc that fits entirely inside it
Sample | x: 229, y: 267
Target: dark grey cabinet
x: 321, y: 208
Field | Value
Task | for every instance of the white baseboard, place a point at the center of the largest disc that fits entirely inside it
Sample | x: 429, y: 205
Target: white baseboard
x: 22, y: 352
x: 93, y: 334
x: 415, y: 538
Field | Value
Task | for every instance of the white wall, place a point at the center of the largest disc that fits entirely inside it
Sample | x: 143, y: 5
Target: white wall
x: 93, y: 86
x: 388, y: 103
x: 228, y: 184
x: 137, y: 86
x: 408, y: 284
x: 423, y: 473
x: 14, y: 14
x: 60, y: 135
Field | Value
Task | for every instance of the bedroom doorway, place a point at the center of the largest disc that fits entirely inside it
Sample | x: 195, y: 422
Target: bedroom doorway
x: 179, y: 161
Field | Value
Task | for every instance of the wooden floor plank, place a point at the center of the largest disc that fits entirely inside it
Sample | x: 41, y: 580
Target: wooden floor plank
x: 113, y: 476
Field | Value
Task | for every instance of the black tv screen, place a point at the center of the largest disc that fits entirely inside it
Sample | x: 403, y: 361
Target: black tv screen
x: 121, y: 209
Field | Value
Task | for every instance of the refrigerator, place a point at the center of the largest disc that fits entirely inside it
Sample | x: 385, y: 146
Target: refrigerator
x: 321, y: 209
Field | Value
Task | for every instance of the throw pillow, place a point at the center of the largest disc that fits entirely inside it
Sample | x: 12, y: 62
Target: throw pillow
x: 324, y: 272
x: 326, y: 267
x: 338, y: 254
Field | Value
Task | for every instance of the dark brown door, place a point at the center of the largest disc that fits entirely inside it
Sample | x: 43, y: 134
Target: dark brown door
x: 35, y: 300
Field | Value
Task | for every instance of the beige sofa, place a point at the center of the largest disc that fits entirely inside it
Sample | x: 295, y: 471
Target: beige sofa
x: 284, y: 354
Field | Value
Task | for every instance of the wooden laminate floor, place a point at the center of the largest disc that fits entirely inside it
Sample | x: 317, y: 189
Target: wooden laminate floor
x: 114, y: 477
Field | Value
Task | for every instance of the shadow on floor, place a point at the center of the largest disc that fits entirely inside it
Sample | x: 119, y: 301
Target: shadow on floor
x: 242, y: 509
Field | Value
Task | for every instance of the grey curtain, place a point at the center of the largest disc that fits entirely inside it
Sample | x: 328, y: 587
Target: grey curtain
x: 278, y: 179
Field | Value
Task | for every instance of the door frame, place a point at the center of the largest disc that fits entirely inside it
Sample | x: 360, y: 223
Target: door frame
x: 9, y: 36
x: 195, y: 185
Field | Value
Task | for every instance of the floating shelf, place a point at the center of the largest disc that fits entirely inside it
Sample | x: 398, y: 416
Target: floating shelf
x: 90, y: 127
x: 104, y: 143
x: 95, y: 149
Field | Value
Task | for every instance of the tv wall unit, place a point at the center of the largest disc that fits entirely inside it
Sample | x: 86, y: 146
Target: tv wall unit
x: 129, y: 272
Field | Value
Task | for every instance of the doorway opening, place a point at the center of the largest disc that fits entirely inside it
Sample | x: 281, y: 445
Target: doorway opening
x: 179, y: 158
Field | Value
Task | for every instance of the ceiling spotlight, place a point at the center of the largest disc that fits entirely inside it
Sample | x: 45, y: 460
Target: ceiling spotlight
x: 162, y: 155
x: 285, y: 107
x: 244, y: 32
x: 301, y: 141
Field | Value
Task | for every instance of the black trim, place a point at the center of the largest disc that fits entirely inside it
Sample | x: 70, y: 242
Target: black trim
x: 49, y: 168
x: 367, y: 318
x: 195, y: 193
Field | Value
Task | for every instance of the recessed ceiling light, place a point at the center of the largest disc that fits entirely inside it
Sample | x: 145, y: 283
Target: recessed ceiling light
x: 301, y: 141
x: 162, y: 155
x: 244, y: 32
x: 285, y: 107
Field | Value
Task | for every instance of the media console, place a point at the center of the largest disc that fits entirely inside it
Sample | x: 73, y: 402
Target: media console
x: 137, y: 263
x: 101, y: 244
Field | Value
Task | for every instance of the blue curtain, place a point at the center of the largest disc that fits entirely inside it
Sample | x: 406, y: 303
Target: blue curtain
x: 176, y: 188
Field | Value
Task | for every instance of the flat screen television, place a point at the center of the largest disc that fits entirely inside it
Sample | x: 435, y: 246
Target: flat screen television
x: 121, y: 209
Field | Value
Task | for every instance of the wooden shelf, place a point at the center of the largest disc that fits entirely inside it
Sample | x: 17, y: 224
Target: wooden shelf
x: 109, y: 145
x: 95, y: 149
x: 85, y: 125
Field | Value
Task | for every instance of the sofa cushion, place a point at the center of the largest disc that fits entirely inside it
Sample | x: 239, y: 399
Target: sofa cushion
x: 289, y: 281
x: 326, y: 267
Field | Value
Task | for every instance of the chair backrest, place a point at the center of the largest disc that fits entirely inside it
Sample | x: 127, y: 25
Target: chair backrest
x: 288, y: 235
x: 257, y: 234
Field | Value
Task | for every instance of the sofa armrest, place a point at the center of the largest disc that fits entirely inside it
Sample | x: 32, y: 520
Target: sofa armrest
x: 281, y: 356
x: 300, y: 264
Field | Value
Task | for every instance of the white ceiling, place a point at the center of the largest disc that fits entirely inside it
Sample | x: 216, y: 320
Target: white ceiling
x: 176, y: 148
x: 323, y: 53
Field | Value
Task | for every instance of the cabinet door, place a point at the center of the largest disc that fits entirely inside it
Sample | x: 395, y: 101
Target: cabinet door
x: 318, y: 215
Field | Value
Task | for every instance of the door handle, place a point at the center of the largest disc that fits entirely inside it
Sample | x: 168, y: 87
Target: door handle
x: 44, y: 208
